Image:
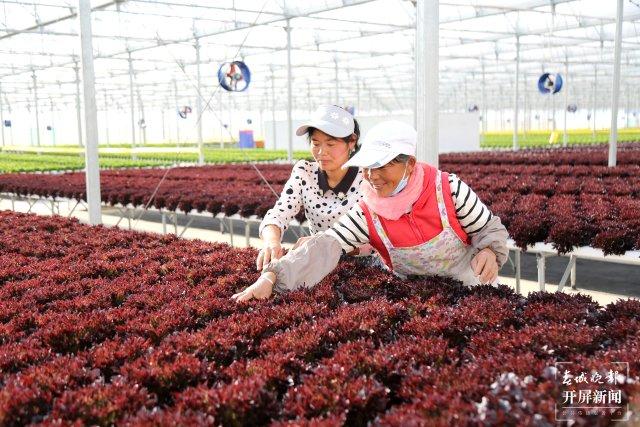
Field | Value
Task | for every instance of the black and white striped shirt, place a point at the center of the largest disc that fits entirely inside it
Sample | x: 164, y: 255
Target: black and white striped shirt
x: 351, y: 229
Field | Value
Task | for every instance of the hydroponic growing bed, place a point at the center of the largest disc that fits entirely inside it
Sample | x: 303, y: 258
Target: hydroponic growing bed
x: 103, y: 326
x: 566, y: 197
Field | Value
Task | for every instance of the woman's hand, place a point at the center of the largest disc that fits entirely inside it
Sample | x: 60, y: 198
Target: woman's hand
x: 271, y: 250
x: 261, y: 289
x: 485, y: 265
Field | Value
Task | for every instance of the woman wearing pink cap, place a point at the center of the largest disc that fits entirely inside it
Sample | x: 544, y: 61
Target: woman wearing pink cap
x: 323, y: 188
x: 421, y: 221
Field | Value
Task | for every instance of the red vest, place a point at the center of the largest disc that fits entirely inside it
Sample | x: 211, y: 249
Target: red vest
x: 422, y: 223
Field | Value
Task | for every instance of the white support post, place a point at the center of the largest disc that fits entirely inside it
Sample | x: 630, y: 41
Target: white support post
x: 427, y: 108
x: 289, y: 95
x: 143, y: 128
x: 483, y: 110
x: 627, y: 108
x: 337, y: 78
x: 230, y: 108
x: 541, y: 258
x: 565, y: 138
x: 357, y: 106
x: 199, y: 104
x: 615, y: 95
x: 53, y: 122
x: 1, y: 114
x: 90, y: 114
x: 516, y: 98
x: 414, y: 89
x: 175, y: 95
x: 132, y: 105
x: 76, y: 68
x: 106, y: 117
x: 220, y: 112
x: 526, y: 115
x: 595, y: 100
x: 501, y: 107
x: 164, y: 124
x: 465, y: 96
x: 273, y: 109
x: 518, y: 272
x: 35, y: 101
x: 636, y: 108
x: 553, y: 112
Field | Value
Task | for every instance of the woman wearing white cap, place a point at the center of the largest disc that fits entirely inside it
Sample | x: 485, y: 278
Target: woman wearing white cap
x: 323, y: 188
x: 420, y: 220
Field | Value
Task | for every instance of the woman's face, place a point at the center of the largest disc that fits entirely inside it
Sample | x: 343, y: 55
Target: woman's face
x: 330, y: 152
x: 385, y: 179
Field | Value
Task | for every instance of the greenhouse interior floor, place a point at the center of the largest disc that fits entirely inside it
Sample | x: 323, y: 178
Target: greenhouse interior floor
x: 605, y: 282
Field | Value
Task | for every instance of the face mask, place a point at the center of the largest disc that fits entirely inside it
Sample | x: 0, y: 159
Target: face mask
x: 403, y: 183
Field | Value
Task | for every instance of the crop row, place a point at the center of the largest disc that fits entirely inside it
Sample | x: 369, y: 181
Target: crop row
x: 102, y: 326
x: 566, y: 197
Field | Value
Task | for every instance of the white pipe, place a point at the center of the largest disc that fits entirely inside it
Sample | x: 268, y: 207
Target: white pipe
x: 106, y: 117
x: 76, y: 68
x: 273, y: 109
x: 1, y: 115
x: 516, y: 98
x: 132, y: 105
x: 337, y: 78
x: 553, y: 111
x: 289, y: 94
x: 175, y: 95
x: 143, y: 129
x: 628, y: 107
x: 595, y: 99
x: 164, y: 124
x: 357, y: 106
x: 199, y: 104
x: 526, y: 119
x: 636, y: 109
x: 35, y: 100
x: 90, y: 114
x: 501, y: 107
x: 565, y: 138
x: 466, y: 96
x: 415, y: 84
x: 483, y: 110
x: 427, y: 108
x: 615, y: 95
x: 53, y: 122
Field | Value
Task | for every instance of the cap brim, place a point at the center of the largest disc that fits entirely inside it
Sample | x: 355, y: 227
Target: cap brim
x: 370, y: 159
x: 326, y: 127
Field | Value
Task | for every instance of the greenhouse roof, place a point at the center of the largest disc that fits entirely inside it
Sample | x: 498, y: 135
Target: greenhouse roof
x: 339, y: 48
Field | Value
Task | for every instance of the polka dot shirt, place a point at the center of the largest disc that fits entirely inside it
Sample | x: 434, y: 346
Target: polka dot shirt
x: 307, y: 188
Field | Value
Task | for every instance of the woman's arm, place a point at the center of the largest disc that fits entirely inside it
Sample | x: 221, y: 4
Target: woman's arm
x: 483, y: 228
x: 271, y: 246
x: 277, y: 219
x: 303, y: 267
x: 307, y: 265
x: 288, y: 205
x: 316, y: 257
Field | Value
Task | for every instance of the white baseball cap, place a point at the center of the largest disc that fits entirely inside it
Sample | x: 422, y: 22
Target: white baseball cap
x: 383, y: 143
x: 331, y: 120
